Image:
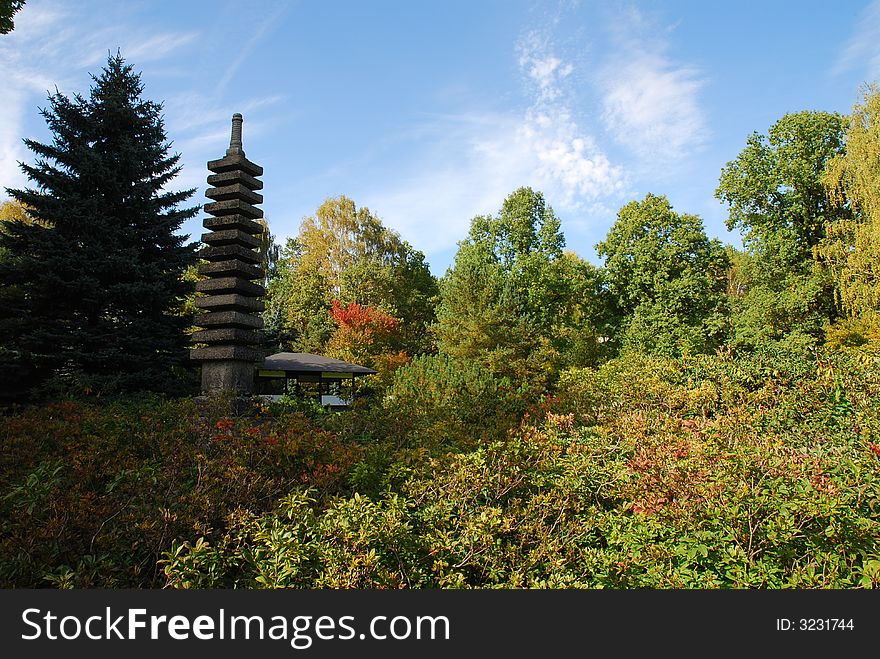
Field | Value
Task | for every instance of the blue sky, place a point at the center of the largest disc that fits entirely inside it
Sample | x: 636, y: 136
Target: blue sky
x: 430, y: 113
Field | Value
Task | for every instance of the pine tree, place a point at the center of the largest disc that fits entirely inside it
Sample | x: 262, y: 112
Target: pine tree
x: 8, y: 9
x: 90, y: 287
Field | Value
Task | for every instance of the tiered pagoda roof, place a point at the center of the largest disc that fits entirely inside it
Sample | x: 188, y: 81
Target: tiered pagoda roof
x: 231, y: 299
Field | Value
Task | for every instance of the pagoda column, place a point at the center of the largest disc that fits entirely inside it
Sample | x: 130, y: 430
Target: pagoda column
x: 231, y: 300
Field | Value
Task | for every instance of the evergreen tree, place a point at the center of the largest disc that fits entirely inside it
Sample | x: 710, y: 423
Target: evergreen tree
x: 481, y: 319
x: 8, y: 9
x: 90, y: 287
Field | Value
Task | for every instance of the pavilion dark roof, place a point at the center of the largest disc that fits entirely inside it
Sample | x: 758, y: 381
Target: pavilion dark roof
x: 304, y: 362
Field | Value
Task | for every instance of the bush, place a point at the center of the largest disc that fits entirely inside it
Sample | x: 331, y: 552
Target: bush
x: 91, y: 494
x: 690, y: 385
x: 437, y: 402
x: 768, y: 485
x: 757, y: 471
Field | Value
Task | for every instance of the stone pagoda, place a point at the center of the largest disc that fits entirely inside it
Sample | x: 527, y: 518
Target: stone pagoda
x: 231, y: 298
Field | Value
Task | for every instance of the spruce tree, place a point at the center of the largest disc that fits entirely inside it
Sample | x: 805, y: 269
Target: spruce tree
x: 92, y: 288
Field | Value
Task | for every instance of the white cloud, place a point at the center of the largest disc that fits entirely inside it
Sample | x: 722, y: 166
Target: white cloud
x: 543, y: 68
x: 469, y: 163
x: 55, y: 45
x: 650, y: 103
x: 864, y: 46
x: 484, y: 159
x: 651, y: 107
x: 24, y: 83
x: 569, y: 162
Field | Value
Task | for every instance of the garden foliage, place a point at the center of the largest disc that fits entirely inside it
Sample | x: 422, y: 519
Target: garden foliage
x: 711, y: 471
x: 758, y: 470
x: 91, y: 494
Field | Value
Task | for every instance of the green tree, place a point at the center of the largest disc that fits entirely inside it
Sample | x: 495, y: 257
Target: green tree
x: 513, y: 301
x: 781, y: 293
x: 345, y: 253
x: 852, y: 244
x: 8, y: 9
x: 776, y: 197
x: 90, y: 288
x: 775, y: 184
x: 481, y: 319
x: 665, y: 278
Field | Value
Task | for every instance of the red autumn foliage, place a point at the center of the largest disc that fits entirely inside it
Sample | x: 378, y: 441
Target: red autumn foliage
x: 363, y: 332
x: 366, y: 319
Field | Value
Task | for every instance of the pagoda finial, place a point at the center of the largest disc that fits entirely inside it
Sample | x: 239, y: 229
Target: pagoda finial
x: 235, y: 147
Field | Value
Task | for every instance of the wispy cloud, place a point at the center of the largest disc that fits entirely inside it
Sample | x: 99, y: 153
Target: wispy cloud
x: 259, y: 34
x: 569, y: 160
x: 863, y: 49
x: 159, y: 46
x: 650, y: 103
x: 542, y: 67
x: 470, y: 162
x: 55, y: 46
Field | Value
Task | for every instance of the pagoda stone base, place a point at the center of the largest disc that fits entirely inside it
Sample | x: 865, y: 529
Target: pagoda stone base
x: 228, y: 376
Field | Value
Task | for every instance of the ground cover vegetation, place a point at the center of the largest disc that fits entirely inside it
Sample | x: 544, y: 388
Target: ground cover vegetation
x: 686, y: 415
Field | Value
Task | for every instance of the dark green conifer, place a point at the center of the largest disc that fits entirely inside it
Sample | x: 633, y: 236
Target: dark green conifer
x: 92, y: 288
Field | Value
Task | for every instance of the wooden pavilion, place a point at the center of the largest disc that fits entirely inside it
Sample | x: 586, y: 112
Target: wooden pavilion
x: 331, y: 381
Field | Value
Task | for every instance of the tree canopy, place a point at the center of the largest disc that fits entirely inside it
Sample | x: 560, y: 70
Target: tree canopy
x: 8, y: 9
x: 344, y: 253
x: 852, y: 244
x: 513, y: 301
x: 666, y: 279
x: 13, y: 211
x: 775, y: 184
x: 775, y: 195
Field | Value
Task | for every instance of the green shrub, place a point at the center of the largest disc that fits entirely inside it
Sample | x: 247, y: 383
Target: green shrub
x: 714, y: 471
x: 436, y: 401
x: 756, y: 484
x: 91, y: 494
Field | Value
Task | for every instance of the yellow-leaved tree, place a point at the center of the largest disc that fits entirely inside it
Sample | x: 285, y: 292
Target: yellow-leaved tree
x: 851, y: 247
